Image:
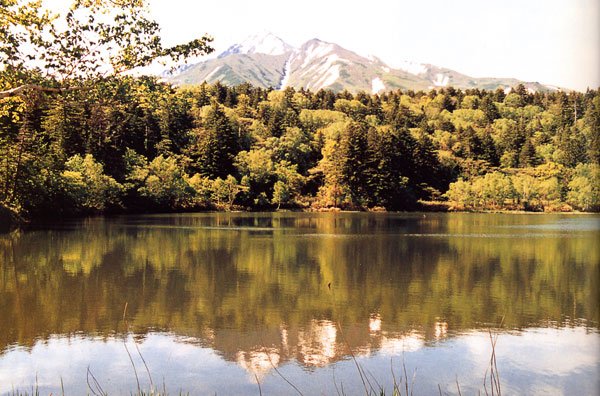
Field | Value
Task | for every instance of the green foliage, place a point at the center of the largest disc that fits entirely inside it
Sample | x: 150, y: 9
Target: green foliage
x: 356, y: 170
x: 225, y: 191
x: 333, y: 192
x: 506, y: 134
x: 312, y: 120
x: 464, y: 118
x: 86, y: 185
x: 584, y: 187
x: 216, y: 144
x: 289, y: 184
x: 91, y: 37
x: 138, y: 144
x: 540, y: 188
x: 527, y: 155
x: 491, y: 191
x: 296, y: 146
x: 392, y: 157
x: 203, y: 190
x: 527, y: 190
x: 352, y: 108
x: 551, y: 192
x: 591, y: 130
x: 62, y: 95
x: 257, y: 165
x: 461, y: 193
x: 163, y: 182
x: 281, y: 193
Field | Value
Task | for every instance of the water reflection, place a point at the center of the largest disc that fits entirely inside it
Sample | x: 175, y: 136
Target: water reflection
x: 527, y: 365
x: 278, y: 290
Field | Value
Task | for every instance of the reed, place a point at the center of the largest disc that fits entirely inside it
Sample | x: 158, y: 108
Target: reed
x: 401, y: 386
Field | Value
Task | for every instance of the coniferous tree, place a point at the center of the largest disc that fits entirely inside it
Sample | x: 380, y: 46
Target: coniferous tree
x: 66, y: 125
x: 592, y: 129
x: 391, y: 154
x: 488, y: 148
x: 216, y: 145
x: 428, y: 169
x: 488, y: 106
x: 527, y: 155
x: 355, y: 156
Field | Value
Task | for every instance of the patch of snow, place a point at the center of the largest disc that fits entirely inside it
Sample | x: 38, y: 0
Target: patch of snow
x: 286, y: 74
x: 377, y: 85
x: 262, y: 43
x: 531, y: 90
x: 220, y: 77
x: 507, y: 90
x: 385, y: 69
x: 328, y: 62
x: 411, y: 67
x: 441, y: 80
x: 294, y: 56
x: 321, y: 67
x: 328, y: 77
x: 315, y: 51
x: 372, y: 58
x: 212, y: 73
x: 327, y: 70
x: 320, y: 62
x: 552, y: 87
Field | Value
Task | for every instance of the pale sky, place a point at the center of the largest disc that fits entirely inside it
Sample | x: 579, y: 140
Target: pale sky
x: 554, y: 42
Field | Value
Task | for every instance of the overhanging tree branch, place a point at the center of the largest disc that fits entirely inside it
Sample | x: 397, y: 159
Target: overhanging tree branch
x: 34, y: 87
x: 99, y: 37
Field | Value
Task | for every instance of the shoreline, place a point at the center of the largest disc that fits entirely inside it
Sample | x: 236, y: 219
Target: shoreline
x: 9, y: 221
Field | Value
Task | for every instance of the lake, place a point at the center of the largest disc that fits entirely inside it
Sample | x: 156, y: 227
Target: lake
x: 302, y: 303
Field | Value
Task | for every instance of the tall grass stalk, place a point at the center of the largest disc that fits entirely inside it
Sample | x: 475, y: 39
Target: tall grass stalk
x: 494, y: 375
x: 258, y: 383
x: 126, y: 322
x: 94, y: 386
x: 281, y: 375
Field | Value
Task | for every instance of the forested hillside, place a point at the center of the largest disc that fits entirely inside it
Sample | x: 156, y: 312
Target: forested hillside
x: 127, y: 144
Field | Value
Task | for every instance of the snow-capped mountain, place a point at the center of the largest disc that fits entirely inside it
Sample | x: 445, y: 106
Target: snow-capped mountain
x: 318, y: 64
x: 262, y: 43
x: 267, y: 61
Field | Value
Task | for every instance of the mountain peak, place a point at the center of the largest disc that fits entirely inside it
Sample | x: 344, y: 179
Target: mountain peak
x: 261, y: 43
x: 319, y: 64
x: 316, y: 43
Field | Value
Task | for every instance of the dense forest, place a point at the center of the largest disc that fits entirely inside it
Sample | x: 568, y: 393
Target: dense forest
x: 138, y: 144
x: 80, y: 135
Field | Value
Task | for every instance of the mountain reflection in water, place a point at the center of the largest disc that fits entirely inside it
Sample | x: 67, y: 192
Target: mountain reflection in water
x: 303, y: 293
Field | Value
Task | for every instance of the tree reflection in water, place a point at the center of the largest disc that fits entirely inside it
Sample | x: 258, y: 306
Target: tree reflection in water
x: 265, y: 289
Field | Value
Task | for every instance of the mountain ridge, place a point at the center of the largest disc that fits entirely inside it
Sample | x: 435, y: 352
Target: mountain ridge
x: 265, y: 60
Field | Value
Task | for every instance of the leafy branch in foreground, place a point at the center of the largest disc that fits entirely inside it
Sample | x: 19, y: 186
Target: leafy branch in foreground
x: 93, y: 39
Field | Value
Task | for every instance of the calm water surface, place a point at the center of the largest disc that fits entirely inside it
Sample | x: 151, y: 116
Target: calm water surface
x: 217, y: 303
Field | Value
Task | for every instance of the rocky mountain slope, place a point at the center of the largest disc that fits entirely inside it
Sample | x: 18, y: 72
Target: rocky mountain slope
x: 266, y: 61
